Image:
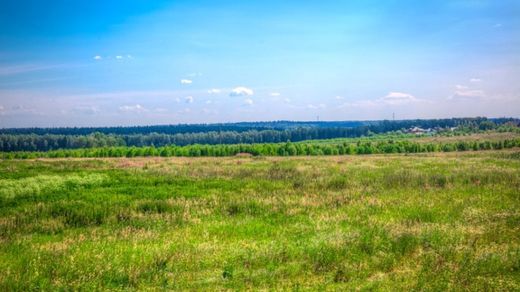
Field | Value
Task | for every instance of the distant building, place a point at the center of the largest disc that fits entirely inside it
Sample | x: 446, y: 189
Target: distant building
x: 419, y: 131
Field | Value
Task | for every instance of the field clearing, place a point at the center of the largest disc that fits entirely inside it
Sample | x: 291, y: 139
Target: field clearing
x: 442, y: 138
x: 429, y: 221
x: 492, y: 136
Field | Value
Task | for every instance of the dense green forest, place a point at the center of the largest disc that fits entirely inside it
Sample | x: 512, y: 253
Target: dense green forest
x: 40, y: 139
x: 275, y: 149
x: 376, y: 126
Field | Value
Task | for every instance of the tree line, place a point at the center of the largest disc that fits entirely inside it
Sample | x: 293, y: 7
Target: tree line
x: 185, y: 128
x: 272, y: 149
x: 48, y: 142
x: 375, y: 126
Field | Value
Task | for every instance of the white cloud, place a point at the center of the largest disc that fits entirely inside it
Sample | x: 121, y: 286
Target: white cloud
x: 186, y: 81
x: 362, y: 103
x: 214, y: 91
x: 129, y: 56
x: 497, y: 25
x: 393, y: 98
x: 474, y: 80
x: 209, y: 101
x: 160, y: 110
x: 318, y: 106
x: 184, y: 111
x: 194, y: 74
x: 339, y: 97
x: 274, y: 94
x: 119, y: 57
x: 132, y: 108
x: 287, y: 100
x: 468, y: 94
x: 85, y: 110
x: 461, y: 87
x: 23, y: 109
x: 97, y: 57
x: 248, y: 101
x: 188, y: 99
x: 177, y: 100
x: 209, y: 111
x: 241, y: 91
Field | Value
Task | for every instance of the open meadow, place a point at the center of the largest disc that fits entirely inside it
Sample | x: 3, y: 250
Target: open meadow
x: 260, y: 145
x: 429, y: 221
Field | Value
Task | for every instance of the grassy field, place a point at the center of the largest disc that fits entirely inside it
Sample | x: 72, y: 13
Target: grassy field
x: 439, y: 221
x: 426, y: 138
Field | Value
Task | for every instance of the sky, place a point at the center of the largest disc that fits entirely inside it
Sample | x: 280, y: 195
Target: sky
x: 118, y: 63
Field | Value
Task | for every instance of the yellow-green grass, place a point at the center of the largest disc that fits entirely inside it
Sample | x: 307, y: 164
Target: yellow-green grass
x: 491, y: 136
x: 443, y: 221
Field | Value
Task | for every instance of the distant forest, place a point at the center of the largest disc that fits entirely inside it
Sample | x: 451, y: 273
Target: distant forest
x: 46, y: 139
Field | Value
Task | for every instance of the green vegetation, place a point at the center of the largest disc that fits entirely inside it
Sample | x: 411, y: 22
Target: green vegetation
x: 430, y: 221
x: 38, y: 139
x: 377, y: 144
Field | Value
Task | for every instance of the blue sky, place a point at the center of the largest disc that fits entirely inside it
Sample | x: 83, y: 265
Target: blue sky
x: 95, y: 63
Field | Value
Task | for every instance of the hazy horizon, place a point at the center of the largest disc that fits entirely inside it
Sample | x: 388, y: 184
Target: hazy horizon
x: 252, y: 121
x: 183, y: 62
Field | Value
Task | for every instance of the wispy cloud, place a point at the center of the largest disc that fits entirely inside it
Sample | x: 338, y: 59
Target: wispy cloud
x: 463, y: 92
x: 188, y: 99
x: 209, y: 111
x: 160, y: 110
x: 274, y: 94
x: 248, y: 102
x: 85, y: 110
x: 214, y: 91
x: 393, y: 98
x: 20, y: 109
x: 467, y: 94
x: 137, y: 108
x: 241, y: 91
x: 186, y: 81
x: 117, y: 57
x: 25, y: 68
x: 184, y: 111
x: 361, y: 104
x: 131, y: 94
x: 317, y: 106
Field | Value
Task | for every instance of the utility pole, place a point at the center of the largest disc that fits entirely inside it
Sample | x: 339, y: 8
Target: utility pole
x: 393, y: 116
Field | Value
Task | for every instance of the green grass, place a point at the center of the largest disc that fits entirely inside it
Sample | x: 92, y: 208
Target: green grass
x: 442, y: 221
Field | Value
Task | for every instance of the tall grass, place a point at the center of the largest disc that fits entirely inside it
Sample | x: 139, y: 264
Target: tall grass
x: 445, y: 221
